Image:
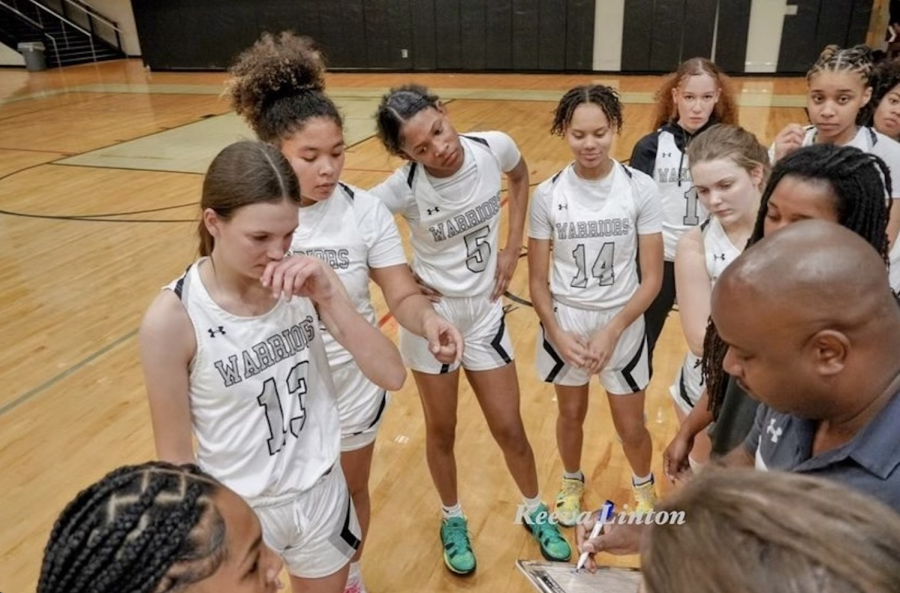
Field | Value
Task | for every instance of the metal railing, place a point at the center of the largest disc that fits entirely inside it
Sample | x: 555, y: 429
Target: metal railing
x: 37, y: 25
x: 89, y: 18
x: 92, y: 23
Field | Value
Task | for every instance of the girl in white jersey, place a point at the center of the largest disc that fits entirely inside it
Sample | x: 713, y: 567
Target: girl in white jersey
x: 278, y: 88
x: 729, y: 167
x: 841, y: 184
x: 839, y: 91
x: 696, y: 96
x: 232, y: 360
x: 590, y: 226
x: 449, y: 193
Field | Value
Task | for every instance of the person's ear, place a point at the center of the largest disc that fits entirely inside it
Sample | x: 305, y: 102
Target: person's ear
x: 830, y: 350
x: 212, y: 222
x: 867, y: 96
x: 756, y: 175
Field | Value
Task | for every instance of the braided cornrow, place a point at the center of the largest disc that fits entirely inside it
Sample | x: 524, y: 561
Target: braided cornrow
x: 397, y: 107
x: 150, y: 528
x: 856, y: 59
x: 861, y: 183
x: 278, y: 85
x: 603, y: 96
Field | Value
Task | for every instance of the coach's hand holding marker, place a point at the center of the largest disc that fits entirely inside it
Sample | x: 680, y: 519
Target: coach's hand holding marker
x: 603, y: 515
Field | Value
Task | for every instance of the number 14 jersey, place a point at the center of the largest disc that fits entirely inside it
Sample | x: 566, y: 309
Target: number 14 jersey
x: 594, y: 227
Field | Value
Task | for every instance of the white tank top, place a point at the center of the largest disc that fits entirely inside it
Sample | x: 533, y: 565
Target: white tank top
x: 261, y: 395
x: 720, y: 252
x: 680, y: 206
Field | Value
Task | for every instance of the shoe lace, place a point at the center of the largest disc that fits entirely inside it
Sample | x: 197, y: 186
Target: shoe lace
x: 457, y: 534
x: 571, y: 488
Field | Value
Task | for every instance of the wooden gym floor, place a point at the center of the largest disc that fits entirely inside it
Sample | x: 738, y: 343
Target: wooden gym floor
x: 100, y: 174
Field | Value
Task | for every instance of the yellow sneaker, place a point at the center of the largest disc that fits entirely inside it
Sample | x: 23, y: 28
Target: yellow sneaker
x: 568, y: 501
x: 645, y: 495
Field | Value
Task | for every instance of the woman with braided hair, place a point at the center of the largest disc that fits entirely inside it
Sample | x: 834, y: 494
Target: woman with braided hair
x: 838, y: 101
x: 158, y: 528
x: 841, y: 184
x: 277, y: 86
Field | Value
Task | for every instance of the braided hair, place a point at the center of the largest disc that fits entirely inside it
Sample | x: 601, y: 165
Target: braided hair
x: 603, y: 96
x: 857, y: 59
x: 861, y: 183
x: 150, y: 528
x: 725, y: 111
x: 397, y: 107
x: 278, y: 84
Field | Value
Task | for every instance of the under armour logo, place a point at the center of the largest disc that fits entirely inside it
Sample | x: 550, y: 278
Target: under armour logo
x: 775, y: 432
x: 435, y: 211
x: 212, y: 332
x: 667, y: 155
x: 562, y: 206
x: 719, y: 256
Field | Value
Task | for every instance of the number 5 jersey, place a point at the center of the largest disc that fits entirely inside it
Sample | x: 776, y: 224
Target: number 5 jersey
x: 261, y: 395
x: 594, y: 227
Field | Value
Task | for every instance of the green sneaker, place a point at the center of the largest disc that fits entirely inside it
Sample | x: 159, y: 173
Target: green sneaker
x: 554, y: 546
x: 458, y: 555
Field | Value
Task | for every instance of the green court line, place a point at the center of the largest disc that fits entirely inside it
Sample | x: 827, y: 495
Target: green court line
x: 73, y: 369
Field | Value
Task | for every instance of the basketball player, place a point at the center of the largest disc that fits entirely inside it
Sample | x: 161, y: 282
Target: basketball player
x: 278, y: 88
x: 729, y: 167
x: 812, y: 330
x: 590, y: 225
x: 449, y: 193
x: 838, y: 90
x: 230, y: 358
x: 696, y: 96
x: 157, y: 527
x: 823, y: 181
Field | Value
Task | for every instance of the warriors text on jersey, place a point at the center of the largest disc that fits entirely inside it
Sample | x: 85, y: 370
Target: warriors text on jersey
x: 351, y: 231
x: 454, y: 220
x: 594, y: 227
x: 261, y: 394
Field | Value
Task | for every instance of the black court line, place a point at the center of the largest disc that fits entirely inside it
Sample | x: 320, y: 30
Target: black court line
x: 31, y: 393
x: 45, y: 108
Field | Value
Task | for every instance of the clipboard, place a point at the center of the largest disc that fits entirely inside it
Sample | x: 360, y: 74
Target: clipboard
x: 560, y: 577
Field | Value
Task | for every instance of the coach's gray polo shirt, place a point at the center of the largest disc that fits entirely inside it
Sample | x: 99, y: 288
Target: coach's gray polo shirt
x: 868, y: 463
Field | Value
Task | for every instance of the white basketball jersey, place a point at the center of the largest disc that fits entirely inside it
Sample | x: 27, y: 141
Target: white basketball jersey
x: 874, y: 142
x: 720, y: 252
x: 594, y: 227
x: 261, y: 395
x: 351, y: 231
x: 454, y: 221
x: 680, y: 205
x: 894, y: 270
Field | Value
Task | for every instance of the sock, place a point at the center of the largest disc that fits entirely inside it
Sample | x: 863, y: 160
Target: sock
x: 451, y: 512
x: 578, y: 475
x: 354, y: 579
x: 532, y: 504
x: 638, y: 481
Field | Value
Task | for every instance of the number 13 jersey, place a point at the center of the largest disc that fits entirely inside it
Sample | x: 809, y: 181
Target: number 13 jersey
x: 594, y: 227
x: 261, y: 395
